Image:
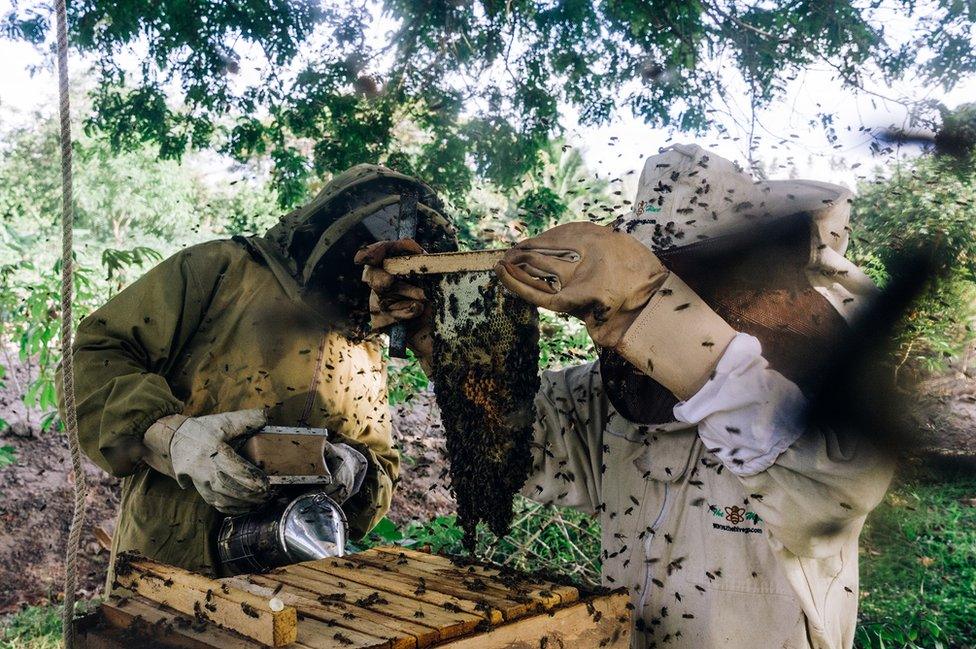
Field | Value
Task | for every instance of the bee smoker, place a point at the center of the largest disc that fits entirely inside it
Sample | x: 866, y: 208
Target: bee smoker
x: 300, y: 522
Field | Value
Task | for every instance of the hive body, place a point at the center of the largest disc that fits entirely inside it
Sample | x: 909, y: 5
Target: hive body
x: 486, y: 375
x: 383, y: 598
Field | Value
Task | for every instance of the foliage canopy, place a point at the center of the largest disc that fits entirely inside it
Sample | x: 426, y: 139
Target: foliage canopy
x: 130, y: 210
x: 483, y: 80
x: 932, y: 200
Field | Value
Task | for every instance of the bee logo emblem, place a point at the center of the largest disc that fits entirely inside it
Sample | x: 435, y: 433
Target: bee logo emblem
x: 734, y: 514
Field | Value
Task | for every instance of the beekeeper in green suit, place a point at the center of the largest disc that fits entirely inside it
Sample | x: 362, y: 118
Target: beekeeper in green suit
x: 227, y: 336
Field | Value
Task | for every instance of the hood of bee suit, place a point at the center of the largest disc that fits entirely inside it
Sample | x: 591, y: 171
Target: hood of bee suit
x: 767, y: 256
x: 310, y: 250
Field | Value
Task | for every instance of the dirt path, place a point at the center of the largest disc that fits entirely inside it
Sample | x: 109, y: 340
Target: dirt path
x: 421, y: 493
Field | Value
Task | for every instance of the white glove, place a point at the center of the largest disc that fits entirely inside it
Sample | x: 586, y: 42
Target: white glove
x: 195, y: 451
x: 348, y: 469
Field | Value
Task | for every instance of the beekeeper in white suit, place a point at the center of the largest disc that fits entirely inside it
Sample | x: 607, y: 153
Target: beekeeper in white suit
x: 730, y: 521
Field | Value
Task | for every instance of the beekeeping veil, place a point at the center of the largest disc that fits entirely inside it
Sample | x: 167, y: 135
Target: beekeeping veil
x: 766, y: 256
x: 311, y: 249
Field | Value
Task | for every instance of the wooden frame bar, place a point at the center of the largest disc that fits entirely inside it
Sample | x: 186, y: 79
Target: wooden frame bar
x: 443, y: 262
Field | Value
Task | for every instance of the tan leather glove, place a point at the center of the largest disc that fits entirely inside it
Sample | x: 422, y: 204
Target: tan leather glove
x: 602, y: 277
x: 629, y: 301
x: 393, y: 300
x: 195, y: 451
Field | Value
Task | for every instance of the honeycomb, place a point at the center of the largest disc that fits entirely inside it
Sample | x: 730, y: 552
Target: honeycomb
x: 485, y: 368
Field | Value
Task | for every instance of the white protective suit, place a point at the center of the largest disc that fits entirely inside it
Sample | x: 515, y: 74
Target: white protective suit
x: 731, y: 527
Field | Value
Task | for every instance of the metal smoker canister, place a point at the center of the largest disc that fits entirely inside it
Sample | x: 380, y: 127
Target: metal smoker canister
x: 311, y: 526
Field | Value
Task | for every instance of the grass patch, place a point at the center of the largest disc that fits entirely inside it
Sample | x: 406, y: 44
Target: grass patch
x: 550, y: 539
x: 35, y: 627
x: 918, y: 567
x: 38, y: 627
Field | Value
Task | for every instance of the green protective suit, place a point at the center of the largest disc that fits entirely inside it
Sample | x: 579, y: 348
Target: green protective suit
x: 224, y: 326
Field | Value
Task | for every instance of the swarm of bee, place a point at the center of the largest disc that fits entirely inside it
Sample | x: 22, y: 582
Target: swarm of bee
x: 485, y: 371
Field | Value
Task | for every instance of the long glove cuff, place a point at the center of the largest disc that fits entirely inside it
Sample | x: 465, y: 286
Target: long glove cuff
x: 157, y: 442
x: 677, y: 339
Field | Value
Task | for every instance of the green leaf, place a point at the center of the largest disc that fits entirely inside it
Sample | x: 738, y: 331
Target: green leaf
x: 50, y: 421
x: 387, y: 531
x: 7, y: 456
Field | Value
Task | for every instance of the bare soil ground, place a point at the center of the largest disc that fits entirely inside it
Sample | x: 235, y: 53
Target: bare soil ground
x: 35, y: 508
x: 422, y: 493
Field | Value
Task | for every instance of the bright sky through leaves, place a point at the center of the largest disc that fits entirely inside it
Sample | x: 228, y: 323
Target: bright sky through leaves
x: 788, y: 135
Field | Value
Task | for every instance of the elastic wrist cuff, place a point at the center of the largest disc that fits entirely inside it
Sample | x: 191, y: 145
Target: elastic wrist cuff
x: 677, y: 339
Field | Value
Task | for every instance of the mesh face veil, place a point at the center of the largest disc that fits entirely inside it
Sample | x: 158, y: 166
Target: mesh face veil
x: 486, y: 375
x: 766, y: 256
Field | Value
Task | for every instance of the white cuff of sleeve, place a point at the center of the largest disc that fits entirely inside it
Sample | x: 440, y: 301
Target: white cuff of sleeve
x: 748, y: 413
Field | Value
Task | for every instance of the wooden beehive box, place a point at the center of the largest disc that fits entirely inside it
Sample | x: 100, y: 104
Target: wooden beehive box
x: 391, y: 598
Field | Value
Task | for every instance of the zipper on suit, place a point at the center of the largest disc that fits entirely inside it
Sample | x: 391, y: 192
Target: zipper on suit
x: 313, y: 386
x: 647, y: 549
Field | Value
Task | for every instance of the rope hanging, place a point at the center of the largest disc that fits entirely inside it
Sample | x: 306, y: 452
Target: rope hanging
x: 67, y: 364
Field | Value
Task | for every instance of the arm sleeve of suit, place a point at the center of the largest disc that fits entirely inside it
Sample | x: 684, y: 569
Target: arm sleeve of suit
x: 814, y: 487
x: 123, y: 350
x: 567, y: 447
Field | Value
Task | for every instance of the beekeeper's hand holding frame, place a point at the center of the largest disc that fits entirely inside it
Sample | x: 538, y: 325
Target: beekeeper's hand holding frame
x: 626, y: 297
x: 393, y: 300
